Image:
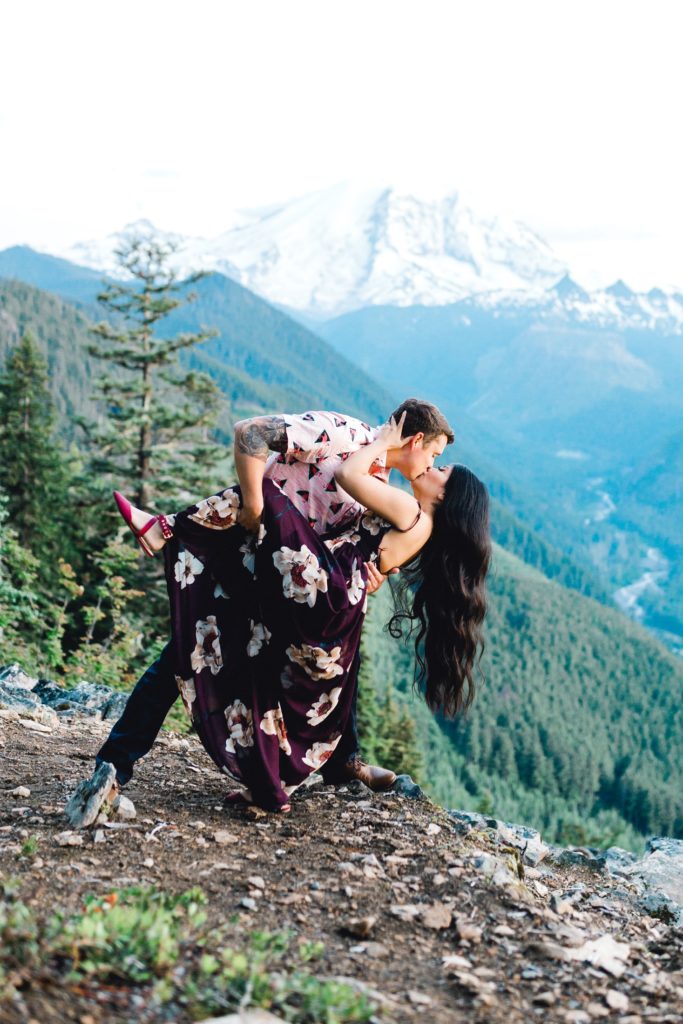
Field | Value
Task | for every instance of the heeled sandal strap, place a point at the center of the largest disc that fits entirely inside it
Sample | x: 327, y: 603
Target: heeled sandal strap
x: 148, y: 526
x: 165, y: 526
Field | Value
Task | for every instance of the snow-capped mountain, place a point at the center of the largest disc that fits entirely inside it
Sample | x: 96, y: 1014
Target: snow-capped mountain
x: 349, y: 246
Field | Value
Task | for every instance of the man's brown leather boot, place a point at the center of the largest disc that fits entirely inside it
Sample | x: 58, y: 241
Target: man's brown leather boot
x: 373, y: 777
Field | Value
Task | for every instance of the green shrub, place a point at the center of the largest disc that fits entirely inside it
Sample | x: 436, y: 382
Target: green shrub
x: 133, y: 935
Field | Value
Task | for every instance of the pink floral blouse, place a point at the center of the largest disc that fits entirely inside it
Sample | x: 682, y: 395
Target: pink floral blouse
x: 317, y: 442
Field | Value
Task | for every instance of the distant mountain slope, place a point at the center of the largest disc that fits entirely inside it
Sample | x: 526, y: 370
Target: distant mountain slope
x: 262, y: 359
x: 258, y: 340
x: 71, y: 281
x: 577, y: 725
x: 585, y: 418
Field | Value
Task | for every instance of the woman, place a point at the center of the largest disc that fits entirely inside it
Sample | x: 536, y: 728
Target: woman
x: 266, y: 626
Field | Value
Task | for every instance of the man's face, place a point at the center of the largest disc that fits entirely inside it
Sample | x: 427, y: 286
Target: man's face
x: 419, y: 455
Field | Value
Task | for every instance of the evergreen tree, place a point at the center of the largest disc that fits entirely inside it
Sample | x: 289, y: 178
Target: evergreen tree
x: 386, y: 731
x: 368, y: 708
x: 155, y: 440
x: 20, y: 614
x: 399, y: 740
x: 33, y: 468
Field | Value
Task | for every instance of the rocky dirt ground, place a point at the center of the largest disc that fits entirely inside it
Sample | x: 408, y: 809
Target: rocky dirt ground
x: 445, y: 926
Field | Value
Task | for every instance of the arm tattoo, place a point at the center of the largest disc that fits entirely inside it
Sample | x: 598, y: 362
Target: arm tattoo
x: 261, y: 435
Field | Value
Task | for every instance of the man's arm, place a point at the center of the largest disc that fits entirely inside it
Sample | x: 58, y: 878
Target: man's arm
x: 255, y: 439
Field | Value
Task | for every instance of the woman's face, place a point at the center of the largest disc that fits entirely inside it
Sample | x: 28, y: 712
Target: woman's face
x: 429, y: 486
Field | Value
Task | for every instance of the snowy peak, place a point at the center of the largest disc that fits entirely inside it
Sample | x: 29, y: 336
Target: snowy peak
x: 567, y: 288
x: 615, y: 307
x: 350, y: 246
x: 620, y: 290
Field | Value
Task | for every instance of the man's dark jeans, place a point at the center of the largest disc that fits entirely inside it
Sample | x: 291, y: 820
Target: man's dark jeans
x: 136, y: 730
x: 151, y: 700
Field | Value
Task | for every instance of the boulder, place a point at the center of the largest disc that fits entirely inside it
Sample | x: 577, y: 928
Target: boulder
x: 527, y: 840
x: 405, y: 786
x: 14, y: 675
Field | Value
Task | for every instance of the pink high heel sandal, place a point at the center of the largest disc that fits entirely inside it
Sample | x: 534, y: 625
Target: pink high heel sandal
x: 125, y: 508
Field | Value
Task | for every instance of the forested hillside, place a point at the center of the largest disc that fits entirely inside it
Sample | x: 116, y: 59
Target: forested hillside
x: 61, y: 332
x: 576, y: 727
x: 261, y: 358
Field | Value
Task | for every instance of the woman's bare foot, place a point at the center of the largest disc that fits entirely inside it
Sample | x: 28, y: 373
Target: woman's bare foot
x: 154, y: 537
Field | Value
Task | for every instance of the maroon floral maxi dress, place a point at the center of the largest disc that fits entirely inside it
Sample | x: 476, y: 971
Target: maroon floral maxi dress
x: 266, y: 631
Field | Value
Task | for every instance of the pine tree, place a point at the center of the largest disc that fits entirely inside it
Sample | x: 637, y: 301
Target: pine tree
x: 155, y: 440
x: 21, y: 618
x: 33, y: 468
x: 401, y: 749
x: 386, y: 731
x: 368, y: 709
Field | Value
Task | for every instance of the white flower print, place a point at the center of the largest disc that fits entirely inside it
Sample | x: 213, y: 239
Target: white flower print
x: 316, y: 662
x: 260, y: 635
x: 207, y: 653
x: 348, y: 537
x: 187, y: 568
x: 320, y: 752
x: 325, y: 704
x: 248, y: 549
x: 219, y: 511
x: 356, y: 586
x: 365, y: 605
x: 289, y: 789
x: 302, y: 575
x: 373, y: 523
x: 240, y: 726
x: 219, y: 592
x: 187, y: 692
x: 273, y: 724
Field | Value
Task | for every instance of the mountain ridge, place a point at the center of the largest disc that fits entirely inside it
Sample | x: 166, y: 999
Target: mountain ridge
x: 351, y: 246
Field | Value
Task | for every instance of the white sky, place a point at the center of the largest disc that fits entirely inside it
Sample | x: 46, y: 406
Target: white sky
x: 565, y: 115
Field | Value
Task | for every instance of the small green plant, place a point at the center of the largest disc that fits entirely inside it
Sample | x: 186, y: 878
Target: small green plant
x: 311, y: 950
x: 29, y: 847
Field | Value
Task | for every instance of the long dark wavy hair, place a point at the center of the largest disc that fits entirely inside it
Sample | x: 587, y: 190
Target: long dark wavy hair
x: 441, y: 595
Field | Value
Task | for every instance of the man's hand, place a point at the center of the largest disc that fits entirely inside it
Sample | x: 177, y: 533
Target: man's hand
x: 250, y: 518
x: 376, y: 578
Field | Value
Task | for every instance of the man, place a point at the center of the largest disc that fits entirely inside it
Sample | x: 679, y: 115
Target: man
x: 300, y: 453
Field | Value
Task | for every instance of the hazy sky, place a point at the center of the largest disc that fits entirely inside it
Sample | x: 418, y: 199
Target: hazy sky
x: 565, y: 115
